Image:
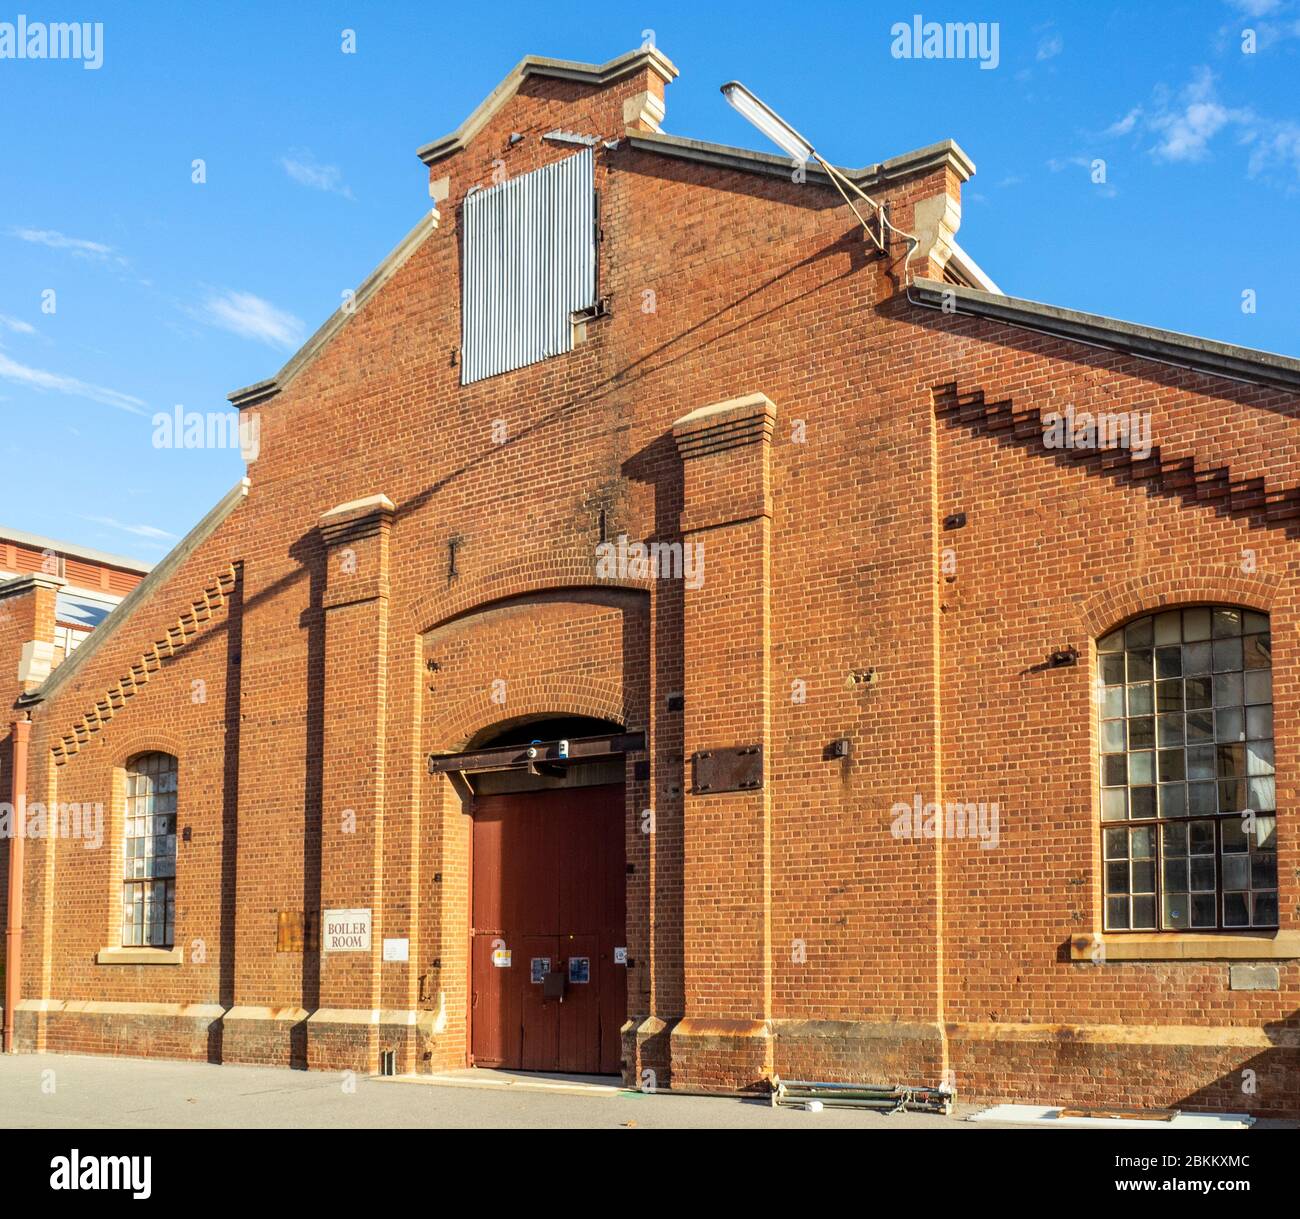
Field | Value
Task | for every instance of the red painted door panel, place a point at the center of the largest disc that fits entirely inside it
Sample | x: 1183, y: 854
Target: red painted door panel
x: 548, y: 882
x: 580, y: 1010
x: 540, y: 1017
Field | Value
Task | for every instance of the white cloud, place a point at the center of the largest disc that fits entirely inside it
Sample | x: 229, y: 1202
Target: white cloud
x: 139, y: 531
x: 37, y: 378
x: 17, y: 325
x: 1186, y: 127
x: 1126, y: 124
x: 306, y: 170
x: 77, y: 246
x: 251, y: 317
x: 1256, y: 8
x: 1050, y: 47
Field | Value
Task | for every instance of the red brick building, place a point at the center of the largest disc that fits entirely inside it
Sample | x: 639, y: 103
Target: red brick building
x: 895, y: 658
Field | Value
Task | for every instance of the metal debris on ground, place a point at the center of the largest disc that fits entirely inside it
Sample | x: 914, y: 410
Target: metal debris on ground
x: 884, y: 1098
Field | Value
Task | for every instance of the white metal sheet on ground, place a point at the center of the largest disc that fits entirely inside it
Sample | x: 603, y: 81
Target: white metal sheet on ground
x: 1046, y: 1115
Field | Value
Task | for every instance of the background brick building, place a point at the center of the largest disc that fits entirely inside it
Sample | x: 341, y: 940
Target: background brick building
x: 893, y: 558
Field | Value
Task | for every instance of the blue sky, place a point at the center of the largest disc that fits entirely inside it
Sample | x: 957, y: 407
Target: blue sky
x: 169, y: 292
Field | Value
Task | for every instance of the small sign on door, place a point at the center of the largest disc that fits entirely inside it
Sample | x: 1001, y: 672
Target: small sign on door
x: 501, y: 958
x: 620, y: 956
x: 541, y: 966
x: 579, y: 970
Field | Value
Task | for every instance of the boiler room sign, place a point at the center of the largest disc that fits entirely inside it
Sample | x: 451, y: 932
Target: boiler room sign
x: 346, y: 931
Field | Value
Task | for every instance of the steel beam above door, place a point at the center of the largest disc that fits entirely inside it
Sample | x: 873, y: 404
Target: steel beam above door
x: 520, y: 757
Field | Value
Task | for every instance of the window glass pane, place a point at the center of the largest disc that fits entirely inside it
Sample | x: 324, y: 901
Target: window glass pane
x: 1227, y: 654
x: 1257, y: 651
x: 1201, y: 762
x: 1141, y: 733
x: 1139, y: 634
x: 1142, y: 802
x: 1229, y: 726
x: 1169, y: 696
x: 1226, y: 622
x: 1177, y: 911
x: 1200, y: 726
x: 1261, y: 795
x: 1114, y: 642
x: 1141, y: 666
x: 1173, y: 800
x: 1265, y: 910
x: 1196, y: 624
x: 1173, y: 839
x: 1200, y: 837
x: 1171, y: 765
x: 1197, y: 658
x: 1259, y: 723
x: 1169, y: 662
x: 1112, y: 669
x: 1227, y: 690
x: 1168, y: 627
x: 1169, y: 730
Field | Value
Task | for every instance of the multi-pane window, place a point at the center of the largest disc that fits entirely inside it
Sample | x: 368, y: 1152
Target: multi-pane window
x: 1189, y: 831
x: 149, y: 852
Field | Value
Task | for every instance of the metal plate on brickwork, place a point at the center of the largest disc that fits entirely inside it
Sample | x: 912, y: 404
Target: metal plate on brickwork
x: 737, y: 769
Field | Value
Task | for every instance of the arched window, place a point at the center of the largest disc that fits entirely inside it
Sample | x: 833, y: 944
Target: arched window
x: 149, y: 852
x: 1188, y: 822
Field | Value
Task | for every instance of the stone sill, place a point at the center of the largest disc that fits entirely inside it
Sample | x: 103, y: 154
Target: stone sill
x: 1182, y: 946
x: 138, y: 956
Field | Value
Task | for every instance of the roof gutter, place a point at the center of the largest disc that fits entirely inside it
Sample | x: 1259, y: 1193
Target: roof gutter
x: 944, y: 154
x: 1146, y: 342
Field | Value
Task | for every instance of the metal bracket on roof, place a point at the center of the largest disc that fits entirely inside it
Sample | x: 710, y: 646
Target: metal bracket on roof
x: 572, y: 137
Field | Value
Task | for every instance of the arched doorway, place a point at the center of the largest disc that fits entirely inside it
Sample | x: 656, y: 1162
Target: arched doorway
x: 548, y: 976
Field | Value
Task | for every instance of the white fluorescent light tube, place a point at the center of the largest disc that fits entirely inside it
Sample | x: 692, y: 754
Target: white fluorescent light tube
x: 767, y: 121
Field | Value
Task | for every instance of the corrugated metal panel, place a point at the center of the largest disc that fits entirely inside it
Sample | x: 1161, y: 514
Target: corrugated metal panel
x: 529, y: 261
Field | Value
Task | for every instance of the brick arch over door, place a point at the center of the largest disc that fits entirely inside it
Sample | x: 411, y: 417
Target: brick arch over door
x: 436, y: 608
x: 532, y: 697
x: 1183, y: 585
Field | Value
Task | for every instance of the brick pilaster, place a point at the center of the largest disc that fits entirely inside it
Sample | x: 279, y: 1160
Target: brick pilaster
x: 355, y: 604
x: 724, y: 1038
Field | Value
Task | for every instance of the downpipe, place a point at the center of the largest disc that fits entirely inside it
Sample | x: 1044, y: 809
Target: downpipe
x: 19, y: 735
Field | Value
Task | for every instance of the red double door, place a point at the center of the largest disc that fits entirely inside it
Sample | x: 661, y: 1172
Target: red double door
x: 549, y: 897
